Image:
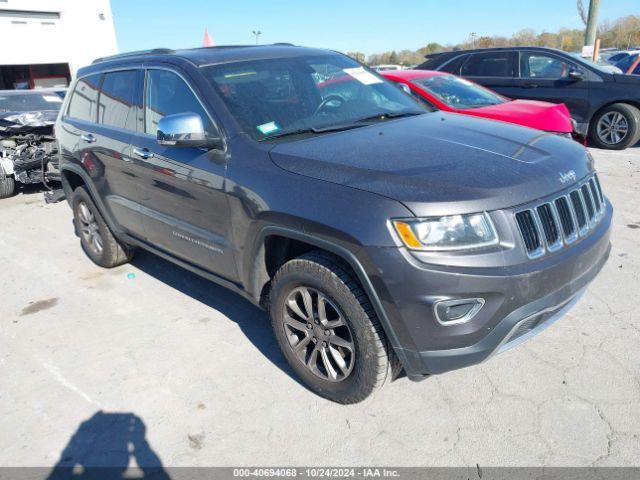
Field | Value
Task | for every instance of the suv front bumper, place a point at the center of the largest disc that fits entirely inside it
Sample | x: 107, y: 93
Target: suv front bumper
x: 520, y: 301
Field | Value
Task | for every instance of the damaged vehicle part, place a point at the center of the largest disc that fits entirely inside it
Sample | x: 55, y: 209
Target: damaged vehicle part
x: 28, y: 150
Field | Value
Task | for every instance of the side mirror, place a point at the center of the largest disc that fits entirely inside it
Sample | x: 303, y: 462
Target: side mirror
x: 185, y: 130
x: 576, y: 75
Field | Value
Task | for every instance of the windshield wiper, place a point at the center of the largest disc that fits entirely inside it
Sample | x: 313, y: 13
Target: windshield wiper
x: 388, y: 115
x: 302, y: 131
x: 361, y: 122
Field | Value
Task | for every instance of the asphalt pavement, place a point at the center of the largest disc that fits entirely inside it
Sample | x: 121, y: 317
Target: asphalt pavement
x: 151, y: 364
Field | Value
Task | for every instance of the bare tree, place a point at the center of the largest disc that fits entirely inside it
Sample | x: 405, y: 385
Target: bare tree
x: 582, y: 13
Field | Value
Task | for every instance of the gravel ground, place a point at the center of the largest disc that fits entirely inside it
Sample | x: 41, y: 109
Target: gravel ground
x: 151, y: 362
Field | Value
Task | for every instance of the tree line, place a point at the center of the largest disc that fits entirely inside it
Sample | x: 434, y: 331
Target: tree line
x: 622, y: 33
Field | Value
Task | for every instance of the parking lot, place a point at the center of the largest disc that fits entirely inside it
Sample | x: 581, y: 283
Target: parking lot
x: 194, y: 372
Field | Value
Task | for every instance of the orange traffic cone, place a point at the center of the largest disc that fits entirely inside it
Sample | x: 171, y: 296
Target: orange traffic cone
x: 207, y: 41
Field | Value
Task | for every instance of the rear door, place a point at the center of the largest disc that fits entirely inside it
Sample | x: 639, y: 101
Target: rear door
x: 78, y: 121
x: 494, y: 70
x: 545, y: 76
x: 185, y: 206
x: 120, y: 94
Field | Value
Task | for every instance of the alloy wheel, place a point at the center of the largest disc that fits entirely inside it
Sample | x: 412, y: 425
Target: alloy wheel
x: 612, y: 128
x: 89, y: 228
x: 318, y: 334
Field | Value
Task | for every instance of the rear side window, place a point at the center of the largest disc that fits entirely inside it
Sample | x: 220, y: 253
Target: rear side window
x: 167, y: 94
x: 85, y: 99
x: 452, y: 66
x: 117, y: 105
x: 493, y: 64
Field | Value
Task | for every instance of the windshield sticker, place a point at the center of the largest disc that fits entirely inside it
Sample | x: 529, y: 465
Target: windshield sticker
x: 52, y: 98
x: 364, y: 77
x: 267, y: 128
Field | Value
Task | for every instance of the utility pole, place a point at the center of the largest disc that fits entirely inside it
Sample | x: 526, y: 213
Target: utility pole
x: 592, y: 23
x: 257, y: 33
x: 473, y: 39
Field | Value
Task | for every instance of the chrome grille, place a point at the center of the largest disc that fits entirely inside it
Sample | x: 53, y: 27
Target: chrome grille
x: 586, y: 195
x: 529, y: 231
x: 566, y: 218
x: 594, y: 194
x: 549, y: 226
x: 578, y: 209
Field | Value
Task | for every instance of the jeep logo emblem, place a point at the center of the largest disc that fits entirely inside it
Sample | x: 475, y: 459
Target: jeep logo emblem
x: 569, y: 176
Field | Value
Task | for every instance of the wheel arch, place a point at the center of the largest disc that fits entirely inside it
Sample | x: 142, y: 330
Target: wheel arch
x: 596, y: 112
x: 73, y: 177
x: 267, y: 257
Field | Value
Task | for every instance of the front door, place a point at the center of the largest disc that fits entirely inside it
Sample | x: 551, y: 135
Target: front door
x: 544, y: 76
x: 185, y: 206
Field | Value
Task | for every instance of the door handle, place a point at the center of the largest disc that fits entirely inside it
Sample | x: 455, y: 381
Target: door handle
x: 143, y: 153
x: 530, y: 85
x: 88, y: 138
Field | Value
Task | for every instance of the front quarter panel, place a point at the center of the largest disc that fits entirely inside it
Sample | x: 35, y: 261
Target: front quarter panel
x: 261, y: 194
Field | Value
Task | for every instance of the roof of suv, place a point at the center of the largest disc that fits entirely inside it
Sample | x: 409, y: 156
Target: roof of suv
x: 211, y: 55
x: 492, y: 49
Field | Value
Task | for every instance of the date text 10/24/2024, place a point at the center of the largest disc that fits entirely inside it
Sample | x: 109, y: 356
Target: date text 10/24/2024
x: 319, y: 472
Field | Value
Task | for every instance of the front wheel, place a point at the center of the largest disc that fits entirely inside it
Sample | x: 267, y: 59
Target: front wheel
x: 616, y: 127
x: 327, y: 329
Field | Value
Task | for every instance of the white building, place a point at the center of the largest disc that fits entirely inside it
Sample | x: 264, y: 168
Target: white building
x: 44, y: 42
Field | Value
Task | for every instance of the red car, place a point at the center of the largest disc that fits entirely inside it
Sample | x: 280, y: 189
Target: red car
x: 454, y: 94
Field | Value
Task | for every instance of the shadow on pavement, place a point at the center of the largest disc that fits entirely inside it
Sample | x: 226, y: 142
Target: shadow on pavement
x: 253, y: 321
x: 109, y: 446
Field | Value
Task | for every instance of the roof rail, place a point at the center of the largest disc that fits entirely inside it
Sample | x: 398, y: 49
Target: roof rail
x: 154, y: 51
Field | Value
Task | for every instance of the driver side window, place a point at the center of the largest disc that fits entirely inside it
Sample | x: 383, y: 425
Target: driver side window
x: 166, y: 94
x: 535, y: 65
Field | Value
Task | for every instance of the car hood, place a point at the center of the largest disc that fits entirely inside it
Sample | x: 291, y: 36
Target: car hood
x: 28, y: 122
x: 631, y: 79
x: 547, y: 116
x: 440, y: 163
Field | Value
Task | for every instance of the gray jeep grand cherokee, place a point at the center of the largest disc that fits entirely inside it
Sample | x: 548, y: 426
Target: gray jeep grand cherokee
x: 379, y: 236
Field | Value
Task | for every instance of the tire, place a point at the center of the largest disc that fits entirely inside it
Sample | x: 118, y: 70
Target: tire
x: 7, y: 186
x: 625, y: 117
x: 348, y: 316
x: 96, y: 238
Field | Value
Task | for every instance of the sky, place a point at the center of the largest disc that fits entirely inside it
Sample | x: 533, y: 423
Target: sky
x: 368, y: 26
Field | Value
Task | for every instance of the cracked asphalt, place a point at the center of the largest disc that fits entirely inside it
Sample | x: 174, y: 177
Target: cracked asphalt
x: 151, y: 362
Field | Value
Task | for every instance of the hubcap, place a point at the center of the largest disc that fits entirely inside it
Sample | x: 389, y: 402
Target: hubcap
x: 612, y: 128
x: 89, y: 228
x: 318, y: 335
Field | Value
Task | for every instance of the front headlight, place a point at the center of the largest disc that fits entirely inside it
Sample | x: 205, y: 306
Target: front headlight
x: 454, y: 232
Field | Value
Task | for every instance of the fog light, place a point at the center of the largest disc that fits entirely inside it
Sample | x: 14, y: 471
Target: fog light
x: 454, y: 312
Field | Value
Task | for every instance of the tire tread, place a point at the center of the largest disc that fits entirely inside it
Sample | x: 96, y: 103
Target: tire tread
x: 634, y: 126
x: 324, y: 264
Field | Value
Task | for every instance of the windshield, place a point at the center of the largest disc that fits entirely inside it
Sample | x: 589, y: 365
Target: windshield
x: 600, y: 66
x: 458, y: 92
x: 29, y: 101
x: 627, y: 62
x: 276, y: 97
